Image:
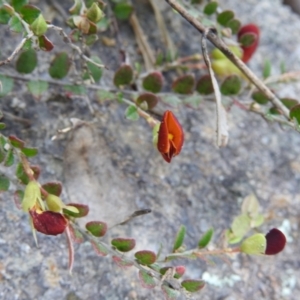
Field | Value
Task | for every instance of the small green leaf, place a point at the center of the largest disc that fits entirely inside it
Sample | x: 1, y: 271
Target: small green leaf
x: 147, y: 98
x: 257, y: 220
x: 2, y: 126
x: 103, y: 95
x: 27, y: 61
x: 6, y: 85
x: 225, y: 16
x: 123, y: 244
x: 4, y: 16
x: 96, y: 228
x: 240, y: 225
x: 205, y: 239
x: 247, y: 39
x: 259, y: 97
x: 123, y: 10
x: 16, y: 142
x: 210, y: 8
x: 179, y: 271
x: 4, y: 183
x: 131, y: 113
x: 82, y: 208
x: 31, y: 195
x: 10, y: 159
x: 145, y: 257
x: 99, y: 248
x: 75, y: 9
x: 170, y: 293
x: 255, y: 244
x: 192, y: 101
x: 295, y: 113
x: 234, y: 25
x: 204, y: 85
x: 30, y: 152
x: 53, y: 187
x: 179, y: 238
x: 75, y: 89
x: 147, y: 280
x: 231, y: 85
x: 250, y: 206
x: 15, y: 24
x: 267, y: 68
x: 54, y: 203
x: 93, y: 70
x: 2, y: 154
x: 153, y: 82
x: 39, y: 26
x: 91, y: 39
x: 289, y: 102
x: 122, y: 262
x: 94, y: 13
x: 196, y: 1
x: 37, y: 88
x: 123, y: 75
x: 21, y: 175
x: 193, y: 286
x: 172, y: 100
x: 184, y: 84
x: 60, y: 66
x: 17, y: 4
x: 29, y: 13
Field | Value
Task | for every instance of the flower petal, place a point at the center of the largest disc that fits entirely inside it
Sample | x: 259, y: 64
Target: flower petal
x: 170, y: 136
x: 48, y: 222
x: 275, y: 241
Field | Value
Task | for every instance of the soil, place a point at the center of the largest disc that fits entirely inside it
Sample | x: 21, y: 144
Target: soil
x: 110, y: 163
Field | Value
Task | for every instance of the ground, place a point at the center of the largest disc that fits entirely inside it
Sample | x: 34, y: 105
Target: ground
x: 112, y: 165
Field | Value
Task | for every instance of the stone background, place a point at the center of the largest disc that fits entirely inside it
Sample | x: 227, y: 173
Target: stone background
x: 113, y: 166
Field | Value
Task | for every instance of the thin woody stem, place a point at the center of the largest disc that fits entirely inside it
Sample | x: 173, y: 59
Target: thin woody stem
x: 216, y: 41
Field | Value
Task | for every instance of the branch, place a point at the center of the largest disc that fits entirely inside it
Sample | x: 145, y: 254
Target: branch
x: 76, y: 48
x: 216, y: 41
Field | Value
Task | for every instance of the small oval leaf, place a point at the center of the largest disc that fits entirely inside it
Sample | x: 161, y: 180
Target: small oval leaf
x: 179, y: 238
x: 231, y: 85
x: 204, y: 241
x: 27, y: 61
x: 225, y: 16
x: 145, y: 257
x: 123, y: 244
x: 82, y: 208
x: 60, y: 66
x: 147, y: 280
x: 123, y: 75
x: 153, y: 82
x: 96, y: 228
x: 193, y: 286
x: 295, y: 113
x: 184, y: 84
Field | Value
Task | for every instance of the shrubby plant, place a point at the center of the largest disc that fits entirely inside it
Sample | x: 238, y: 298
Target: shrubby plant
x: 224, y: 77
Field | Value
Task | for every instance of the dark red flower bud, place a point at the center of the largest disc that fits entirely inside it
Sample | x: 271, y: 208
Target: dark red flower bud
x: 49, y: 222
x: 275, y: 241
x: 170, y: 136
x: 248, y: 36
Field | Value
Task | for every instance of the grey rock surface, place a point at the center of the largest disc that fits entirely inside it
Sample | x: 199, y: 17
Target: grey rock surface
x: 111, y: 165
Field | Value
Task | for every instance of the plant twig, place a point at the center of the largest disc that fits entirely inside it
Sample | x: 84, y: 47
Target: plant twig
x: 67, y: 39
x: 17, y: 50
x: 215, y: 40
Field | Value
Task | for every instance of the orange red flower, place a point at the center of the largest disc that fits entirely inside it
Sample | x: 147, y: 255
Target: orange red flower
x: 252, y: 32
x: 170, y: 136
